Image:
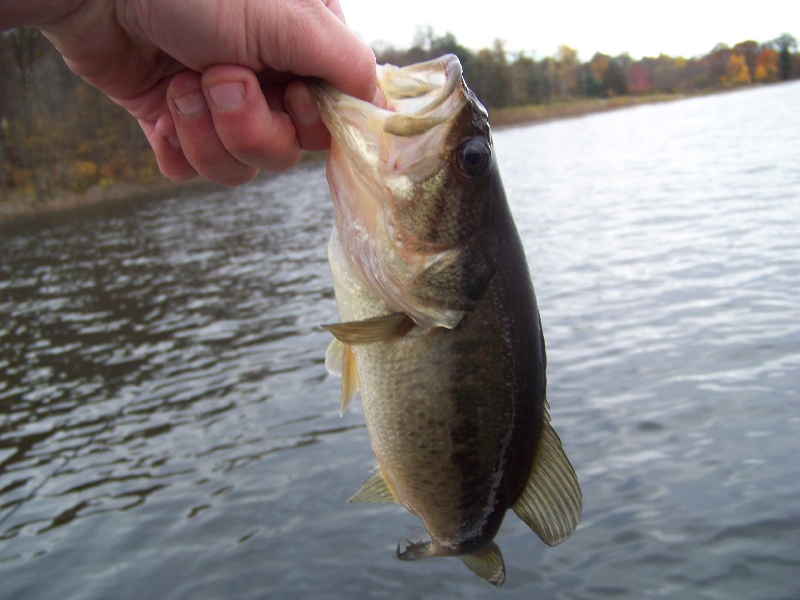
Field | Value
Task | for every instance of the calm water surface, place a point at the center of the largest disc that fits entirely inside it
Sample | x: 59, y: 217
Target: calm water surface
x: 168, y: 430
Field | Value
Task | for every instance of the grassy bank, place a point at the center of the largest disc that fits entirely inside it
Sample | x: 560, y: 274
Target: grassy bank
x: 21, y: 207
x: 578, y: 107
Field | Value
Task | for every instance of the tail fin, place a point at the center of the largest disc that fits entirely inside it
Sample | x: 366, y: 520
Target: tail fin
x: 487, y: 564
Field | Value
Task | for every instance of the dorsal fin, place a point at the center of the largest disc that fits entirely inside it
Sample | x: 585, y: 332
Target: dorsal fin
x: 340, y: 361
x: 369, y: 331
x: 374, y: 489
x: 551, y: 502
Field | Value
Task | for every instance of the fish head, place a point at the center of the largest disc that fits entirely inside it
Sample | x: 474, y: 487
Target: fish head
x: 412, y: 178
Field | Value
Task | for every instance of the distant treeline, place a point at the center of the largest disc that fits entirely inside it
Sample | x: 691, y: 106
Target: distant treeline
x: 500, y: 79
x: 58, y: 135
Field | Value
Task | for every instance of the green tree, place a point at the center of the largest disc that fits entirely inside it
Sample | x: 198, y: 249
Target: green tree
x: 614, y: 82
x: 785, y: 44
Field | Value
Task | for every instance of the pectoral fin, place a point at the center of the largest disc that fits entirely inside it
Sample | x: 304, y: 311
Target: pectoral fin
x: 369, y: 331
x: 374, y: 489
x: 551, y: 502
x: 488, y: 565
x: 340, y: 361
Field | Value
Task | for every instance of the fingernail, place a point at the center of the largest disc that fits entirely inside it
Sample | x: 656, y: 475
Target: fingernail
x: 174, y: 141
x: 228, y: 95
x: 192, y: 103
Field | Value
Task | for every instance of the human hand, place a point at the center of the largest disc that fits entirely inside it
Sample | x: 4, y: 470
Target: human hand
x: 216, y: 85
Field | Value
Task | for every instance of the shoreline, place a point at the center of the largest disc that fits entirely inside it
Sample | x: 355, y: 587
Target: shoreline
x: 556, y: 111
x: 16, y: 210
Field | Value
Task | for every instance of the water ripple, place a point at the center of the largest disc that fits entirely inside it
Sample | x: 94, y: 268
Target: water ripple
x: 167, y: 427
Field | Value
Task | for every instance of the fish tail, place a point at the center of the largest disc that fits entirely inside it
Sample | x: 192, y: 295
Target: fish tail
x: 487, y: 564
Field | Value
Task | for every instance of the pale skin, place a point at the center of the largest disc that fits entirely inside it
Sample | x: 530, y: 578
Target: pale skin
x: 218, y: 86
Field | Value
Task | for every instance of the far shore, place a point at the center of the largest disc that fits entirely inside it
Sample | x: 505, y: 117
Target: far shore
x: 17, y: 209
x: 24, y: 209
x: 551, y: 111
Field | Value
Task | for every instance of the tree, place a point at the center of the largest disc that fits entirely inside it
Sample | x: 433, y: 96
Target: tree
x: 736, y: 72
x: 614, y: 81
x: 26, y: 132
x: 491, y: 76
x: 567, y: 71
x: 785, y: 43
x: 718, y: 62
x: 749, y: 50
x: 766, y: 65
x: 638, y: 79
x: 598, y: 65
x: 524, y: 81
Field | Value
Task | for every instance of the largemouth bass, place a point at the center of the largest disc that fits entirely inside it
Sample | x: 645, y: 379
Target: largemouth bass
x: 440, y: 330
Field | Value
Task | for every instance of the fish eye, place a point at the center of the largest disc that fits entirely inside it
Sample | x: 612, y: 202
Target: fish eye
x: 474, y: 157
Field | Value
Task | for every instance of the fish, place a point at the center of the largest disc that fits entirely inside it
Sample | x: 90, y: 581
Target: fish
x: 439, y: 329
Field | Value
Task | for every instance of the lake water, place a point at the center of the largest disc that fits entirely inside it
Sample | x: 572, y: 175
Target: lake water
x: 168, y: 430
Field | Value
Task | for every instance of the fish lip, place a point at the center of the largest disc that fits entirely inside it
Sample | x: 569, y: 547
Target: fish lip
x: 401, y: 123
x: 395, y: 118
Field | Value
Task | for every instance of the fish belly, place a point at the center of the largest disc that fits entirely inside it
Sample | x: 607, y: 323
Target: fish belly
x: 452, y: 415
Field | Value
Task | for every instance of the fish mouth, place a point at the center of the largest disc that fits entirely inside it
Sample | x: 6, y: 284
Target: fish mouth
x: 421, y: 96
x: 407, y: 133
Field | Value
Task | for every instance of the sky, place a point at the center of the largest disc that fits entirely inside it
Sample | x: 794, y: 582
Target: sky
x: 640, y: 27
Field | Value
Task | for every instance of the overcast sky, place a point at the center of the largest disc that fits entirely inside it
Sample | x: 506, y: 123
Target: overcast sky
x: 640, y: 27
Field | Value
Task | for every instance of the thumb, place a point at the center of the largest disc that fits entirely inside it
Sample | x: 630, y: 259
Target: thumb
x: 315, y: 42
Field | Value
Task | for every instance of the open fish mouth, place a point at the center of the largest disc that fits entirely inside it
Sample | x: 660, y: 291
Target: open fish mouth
x: 404, y: 135
x: 421, y: 93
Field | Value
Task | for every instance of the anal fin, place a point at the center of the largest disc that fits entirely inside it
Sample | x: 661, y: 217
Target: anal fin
x: 551, y: 503
x: 488, y: 565
x: 374, y: 489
